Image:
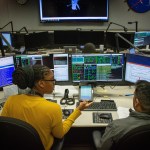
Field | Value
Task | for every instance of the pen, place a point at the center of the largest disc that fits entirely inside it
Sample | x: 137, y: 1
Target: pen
x: 128, y: 94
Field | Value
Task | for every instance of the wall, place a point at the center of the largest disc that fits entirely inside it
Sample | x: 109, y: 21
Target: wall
x: 28, y: 16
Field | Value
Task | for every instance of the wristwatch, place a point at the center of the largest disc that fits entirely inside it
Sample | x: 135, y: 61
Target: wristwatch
x: 139, y: 6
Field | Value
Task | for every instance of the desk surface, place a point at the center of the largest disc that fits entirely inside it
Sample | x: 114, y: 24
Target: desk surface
x: 85, y: 120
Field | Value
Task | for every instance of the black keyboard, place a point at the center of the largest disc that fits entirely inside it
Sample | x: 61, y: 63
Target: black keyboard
x: 104, y: 105
x: 102, y: 117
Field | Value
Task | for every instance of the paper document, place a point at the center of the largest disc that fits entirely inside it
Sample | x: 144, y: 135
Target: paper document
x: 123, y: 112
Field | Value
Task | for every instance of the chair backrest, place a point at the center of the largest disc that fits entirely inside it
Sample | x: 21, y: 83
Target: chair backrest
x: 18, y: 135
x: 138, y: 139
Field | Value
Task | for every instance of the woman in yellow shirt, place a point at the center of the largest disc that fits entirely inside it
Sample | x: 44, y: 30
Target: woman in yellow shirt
x: 43, y: 115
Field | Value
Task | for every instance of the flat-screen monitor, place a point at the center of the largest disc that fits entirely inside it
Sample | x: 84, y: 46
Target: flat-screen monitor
x: 73, y: 10
x: 66, y: 37
x: 28, y: 60
x: 8, y: 37
x: 128, y: 36
x: 48, y: 61
x: 33, y: 41
x: 142, y: 38
x: 95, y: 37
x: 97, y: 67
x: 110, y: 40
x: 137, y: 68
x: 61, y: 67
x: 6, y: 69
x: 60, y: 64
x: 18, y: 40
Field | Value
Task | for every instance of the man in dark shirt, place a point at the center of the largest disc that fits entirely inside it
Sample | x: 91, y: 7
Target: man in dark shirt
x: 141, y: 116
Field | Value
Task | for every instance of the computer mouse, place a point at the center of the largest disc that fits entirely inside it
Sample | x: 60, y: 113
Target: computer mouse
x: 66, y: 112
x: 104, y: 116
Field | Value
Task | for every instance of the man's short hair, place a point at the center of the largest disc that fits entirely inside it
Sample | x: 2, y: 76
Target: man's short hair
x: 89, y: 48
x: 142, y: 93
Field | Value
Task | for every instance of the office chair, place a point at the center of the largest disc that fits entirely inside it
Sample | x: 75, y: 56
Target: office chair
x: 138, y: 139
x: 18, y: 135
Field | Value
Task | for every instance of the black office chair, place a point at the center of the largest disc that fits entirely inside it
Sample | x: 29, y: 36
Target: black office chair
x: 138, y: 138
x: 18, y: 135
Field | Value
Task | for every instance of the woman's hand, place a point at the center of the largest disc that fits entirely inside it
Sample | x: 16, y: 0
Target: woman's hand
x: 84, y: 104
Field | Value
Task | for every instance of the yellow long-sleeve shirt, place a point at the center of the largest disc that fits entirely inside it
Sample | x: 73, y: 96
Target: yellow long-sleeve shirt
x: 44, y: 116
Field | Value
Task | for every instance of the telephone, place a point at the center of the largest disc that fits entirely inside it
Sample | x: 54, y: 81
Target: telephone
x: 66, y: 94
x: 66, y: 99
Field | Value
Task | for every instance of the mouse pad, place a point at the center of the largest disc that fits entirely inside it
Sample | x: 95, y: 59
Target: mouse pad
x: 66, y: 112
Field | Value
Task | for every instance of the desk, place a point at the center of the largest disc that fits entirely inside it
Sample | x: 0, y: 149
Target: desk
x: 85, y: 120
x: 117, y: 94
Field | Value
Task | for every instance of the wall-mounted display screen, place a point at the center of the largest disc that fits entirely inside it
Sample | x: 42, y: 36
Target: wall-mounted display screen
x: 73, y: 10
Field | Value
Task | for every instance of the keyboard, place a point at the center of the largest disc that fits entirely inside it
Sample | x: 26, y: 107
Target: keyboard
x: 104, y: 105
x: 102, y: 117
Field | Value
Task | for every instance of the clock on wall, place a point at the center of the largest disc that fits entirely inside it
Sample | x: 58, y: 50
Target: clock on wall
x: 22, y: 2
x: 139, y: 6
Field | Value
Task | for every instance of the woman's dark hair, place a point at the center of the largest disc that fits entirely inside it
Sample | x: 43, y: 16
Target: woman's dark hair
x: 25, y: 77
x: 142, y: 93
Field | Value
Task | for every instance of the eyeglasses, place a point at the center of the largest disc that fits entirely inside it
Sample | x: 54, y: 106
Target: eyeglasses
x: 50, y: 80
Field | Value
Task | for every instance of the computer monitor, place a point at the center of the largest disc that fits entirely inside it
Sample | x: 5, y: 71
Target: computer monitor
x: 6, y: 69
x: 8, y: 37
x: 61, y: 67
x: 123, y: 45
x: 18, y: 40
x: 66, y: 37
x: 28, y: 60
x: 142, y: 38
x: 95, y: 37
x: 110, y: 40
x: 137, y: 68
x: 48, y: 61
x: 97, y: 67
x: 33, y: 41
x: 60, y: 64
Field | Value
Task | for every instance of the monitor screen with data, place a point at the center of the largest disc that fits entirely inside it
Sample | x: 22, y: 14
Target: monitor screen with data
x: 142, y: 38
x: 59, y: 63
x: 137, y: 68
x: 61, y: 67
x: 97, y: 67
x: 28, y: 60
x: 6, y: 69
